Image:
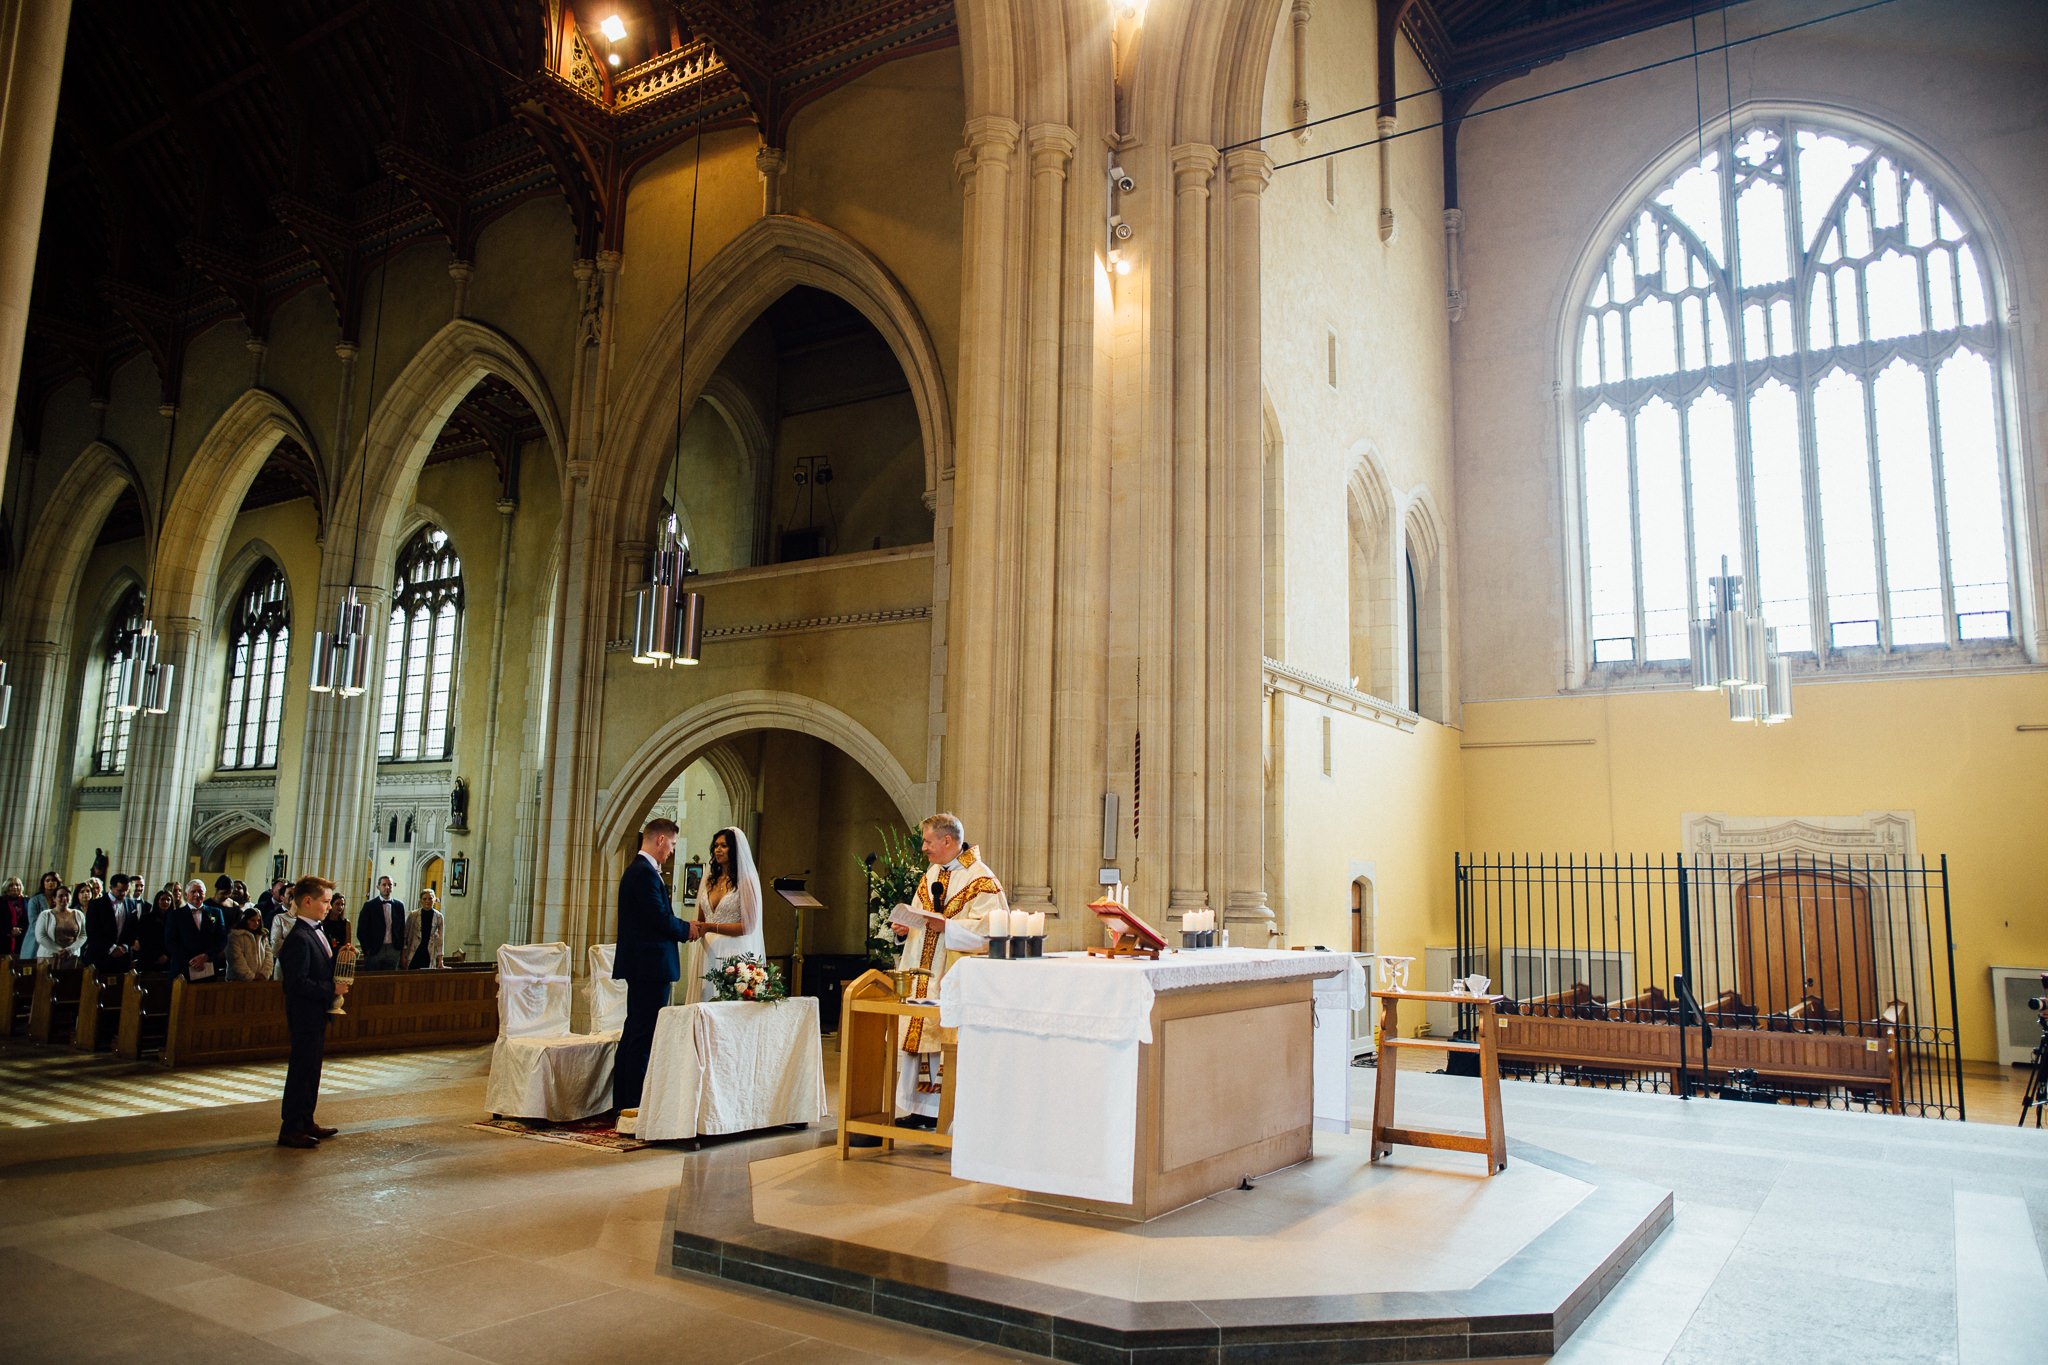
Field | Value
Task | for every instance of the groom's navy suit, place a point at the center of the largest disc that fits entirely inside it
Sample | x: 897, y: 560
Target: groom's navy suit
x: 645, y: 959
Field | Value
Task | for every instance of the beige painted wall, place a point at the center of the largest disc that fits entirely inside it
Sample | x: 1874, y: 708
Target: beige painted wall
x: 1965, y: 80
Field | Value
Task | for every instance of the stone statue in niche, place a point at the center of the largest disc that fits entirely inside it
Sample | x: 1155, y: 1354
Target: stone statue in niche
x: 458, y: 808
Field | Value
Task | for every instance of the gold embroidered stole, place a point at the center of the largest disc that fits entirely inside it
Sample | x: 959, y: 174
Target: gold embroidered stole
x: 921, y: 978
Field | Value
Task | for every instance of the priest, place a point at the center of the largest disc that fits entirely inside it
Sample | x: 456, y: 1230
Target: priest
x: 952, y: 907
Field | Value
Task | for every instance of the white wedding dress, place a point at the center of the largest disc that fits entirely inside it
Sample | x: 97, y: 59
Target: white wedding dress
x: 742, y: 903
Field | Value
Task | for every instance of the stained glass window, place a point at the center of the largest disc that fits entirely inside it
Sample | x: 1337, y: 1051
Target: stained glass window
x: 1789, y: 360
x: 419, y: 659
x: 253, y: 702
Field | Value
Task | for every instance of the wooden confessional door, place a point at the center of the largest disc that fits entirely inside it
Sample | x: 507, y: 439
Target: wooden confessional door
x: 1806, y: 933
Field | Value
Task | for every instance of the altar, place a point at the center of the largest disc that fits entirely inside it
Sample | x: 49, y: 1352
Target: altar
x: 1103, y: 1084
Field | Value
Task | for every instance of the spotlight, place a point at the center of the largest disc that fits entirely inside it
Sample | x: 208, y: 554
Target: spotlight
x: 613, y: 28
x: 612, y: 57
x: 1119, y: 262
x: 1120, y: 182
x: 1119, y: 229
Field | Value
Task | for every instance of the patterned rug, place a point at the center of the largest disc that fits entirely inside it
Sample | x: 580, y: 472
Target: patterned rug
x: 597, y: 1133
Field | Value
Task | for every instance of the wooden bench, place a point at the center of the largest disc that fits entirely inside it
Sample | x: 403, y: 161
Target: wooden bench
x: 145, y: 1015
x: 54, y: 1011
x: 99, y: 1009
x: 17, y: 994
x: 243, y: 1021
x: 1493, y: 1143
x: 1797, y: 1055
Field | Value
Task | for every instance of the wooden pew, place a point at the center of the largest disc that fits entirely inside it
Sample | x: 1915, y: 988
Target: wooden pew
x: 54, y: 1012
x: 99, y: 1010
x: 243, y: 1021
x: 17, y: 993
x: 145, y: 1015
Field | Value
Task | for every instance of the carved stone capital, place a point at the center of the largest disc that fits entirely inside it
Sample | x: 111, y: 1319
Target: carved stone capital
x: 1194, y: 166
x: 991, y: 141
x: 1052, y: 147
x: 771, y: 160
x: 1248, y: 170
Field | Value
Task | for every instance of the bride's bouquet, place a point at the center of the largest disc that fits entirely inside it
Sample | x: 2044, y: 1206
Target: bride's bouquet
x: 746, y: 977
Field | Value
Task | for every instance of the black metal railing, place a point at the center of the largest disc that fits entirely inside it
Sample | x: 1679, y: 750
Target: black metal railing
x: 1814, y: 979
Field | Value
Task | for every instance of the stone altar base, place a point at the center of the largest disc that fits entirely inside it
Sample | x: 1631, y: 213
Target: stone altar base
x: 1419, y: 1258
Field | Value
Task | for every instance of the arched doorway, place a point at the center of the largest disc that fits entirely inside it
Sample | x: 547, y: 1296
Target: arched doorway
x: 1364, y: 930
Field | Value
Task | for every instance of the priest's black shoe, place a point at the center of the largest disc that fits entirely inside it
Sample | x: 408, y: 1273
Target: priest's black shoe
x: 321, y: 1131
x: 924, y: 1121
x: 863, y: 1140
x: 305, y: 1142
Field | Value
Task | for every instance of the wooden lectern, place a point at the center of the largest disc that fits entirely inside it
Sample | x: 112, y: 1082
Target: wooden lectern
x: 869, y: 1055
x: 791, y: 889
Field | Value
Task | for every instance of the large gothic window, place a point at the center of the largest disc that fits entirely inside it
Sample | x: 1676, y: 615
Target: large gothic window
x: 419, y: 659
x: 1790, y: 360
x: 253, y: 703
x: 110, y: 748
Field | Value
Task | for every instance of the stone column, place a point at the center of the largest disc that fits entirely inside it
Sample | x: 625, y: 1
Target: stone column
x: 1387, y: 125
x: 1052, y: 148
x: 461, y: 272
x: 338, y: 766
x: 36, y: 670
x: 31, y: 66
x: 1298, y: 21
x: 156, y: 794
x: 1238, y: 623
x: 1194, y: 168
x: 486, y: 808
x: 977, y: 693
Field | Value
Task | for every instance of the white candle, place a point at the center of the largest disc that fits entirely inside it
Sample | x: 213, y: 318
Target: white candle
x: 1038, y: 924
x: 999, y: 923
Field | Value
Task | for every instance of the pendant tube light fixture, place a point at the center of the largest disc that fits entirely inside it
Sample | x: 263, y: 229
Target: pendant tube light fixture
x: 668, y: 618
x: 1734, y: 651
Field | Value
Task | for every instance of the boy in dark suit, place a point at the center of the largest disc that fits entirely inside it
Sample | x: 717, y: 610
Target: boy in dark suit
x: 645, y: 958
x: 305, y: 963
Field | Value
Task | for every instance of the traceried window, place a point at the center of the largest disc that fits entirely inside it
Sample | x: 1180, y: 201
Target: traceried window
x: 110, y: 748
x: 1791, y: 360
x: 252, y: 714
x: 419, y: 658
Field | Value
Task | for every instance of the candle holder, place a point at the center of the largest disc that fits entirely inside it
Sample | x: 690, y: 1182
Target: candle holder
x: 999, y: 948
x: 1034, y: 945
x: 344, y: 972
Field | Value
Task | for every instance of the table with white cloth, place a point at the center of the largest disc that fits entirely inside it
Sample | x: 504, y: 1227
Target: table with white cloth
x: 1132, y: 1087
x: 730, y: 1066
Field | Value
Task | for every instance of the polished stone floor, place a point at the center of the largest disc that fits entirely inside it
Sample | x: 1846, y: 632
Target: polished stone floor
x: 1800, y: 1236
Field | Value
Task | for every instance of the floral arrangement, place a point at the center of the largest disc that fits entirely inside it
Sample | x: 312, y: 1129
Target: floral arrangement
x: 746, y: 977
x: 893, y: 875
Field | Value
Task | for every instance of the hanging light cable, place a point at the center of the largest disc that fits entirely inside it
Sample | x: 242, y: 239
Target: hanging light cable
x: 146, y: 678
x: 341, y: 657
x: 668, y: 619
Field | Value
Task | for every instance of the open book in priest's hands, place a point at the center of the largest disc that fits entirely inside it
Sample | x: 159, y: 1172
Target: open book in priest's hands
x: 910, y: 918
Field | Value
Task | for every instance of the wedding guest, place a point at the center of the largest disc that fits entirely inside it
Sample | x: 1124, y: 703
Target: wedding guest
x: 335, y: 925
x: 60, y: 930
x: 195, y: 941
x: 13, y: 916
x: 272, y: 902
x: 423, y: 934
x: 248, y: 950
x: 222, y: 902
x: 37, y: 904
x: 380, y: 929
x: 112, y: 930
x: 156, y: 918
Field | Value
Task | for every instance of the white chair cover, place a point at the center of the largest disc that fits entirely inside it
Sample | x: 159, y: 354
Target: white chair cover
x: 540, y: 1070
x: 607, y: 997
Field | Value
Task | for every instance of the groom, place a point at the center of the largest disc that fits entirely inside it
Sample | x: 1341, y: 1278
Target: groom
x: 645, y: 958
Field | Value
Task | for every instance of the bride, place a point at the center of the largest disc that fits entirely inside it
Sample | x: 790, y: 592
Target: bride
x: 729, y: 902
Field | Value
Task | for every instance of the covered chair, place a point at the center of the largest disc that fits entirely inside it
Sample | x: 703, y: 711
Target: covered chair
x: 607, y: 997
x: 539, y: 1069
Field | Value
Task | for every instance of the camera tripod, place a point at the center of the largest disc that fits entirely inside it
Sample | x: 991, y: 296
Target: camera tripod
x: 2036, y: 1098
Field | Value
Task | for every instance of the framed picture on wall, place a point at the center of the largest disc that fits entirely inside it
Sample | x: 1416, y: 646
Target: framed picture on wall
x: 458, y: 875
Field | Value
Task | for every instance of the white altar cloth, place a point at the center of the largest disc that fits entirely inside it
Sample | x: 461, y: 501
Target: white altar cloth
x: 730, y: 1066
x: 1047, y: 1091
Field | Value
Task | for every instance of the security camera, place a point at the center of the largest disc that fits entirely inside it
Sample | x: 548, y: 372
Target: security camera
x: 1119, y: 229
x: 1121, y: 182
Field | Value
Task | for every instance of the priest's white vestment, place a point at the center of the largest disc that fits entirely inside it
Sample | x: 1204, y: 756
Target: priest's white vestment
x: 964, y: 891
